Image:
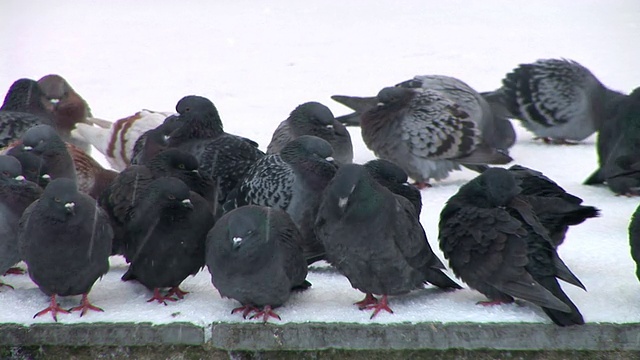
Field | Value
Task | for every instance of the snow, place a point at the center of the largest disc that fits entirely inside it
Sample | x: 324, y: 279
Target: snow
x: 258, y: 61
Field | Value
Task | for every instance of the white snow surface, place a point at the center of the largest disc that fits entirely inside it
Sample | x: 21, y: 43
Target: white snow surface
x: 258, y: 60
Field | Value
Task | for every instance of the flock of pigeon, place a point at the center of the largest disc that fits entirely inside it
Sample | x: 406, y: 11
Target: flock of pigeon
x: 185, y: 194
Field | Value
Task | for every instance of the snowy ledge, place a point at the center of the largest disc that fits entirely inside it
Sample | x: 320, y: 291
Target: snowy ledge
x: 323, y: 336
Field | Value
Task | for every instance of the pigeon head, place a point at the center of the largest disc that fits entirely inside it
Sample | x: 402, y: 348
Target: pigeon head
x: 246, y: 226
x: 26, y: 96
x: 55, y: 88
x: 312, y: 113
x: 394, y: 97
x: 61, y: 196
x: 500, y: 186
x: 169, y: 193
x: 10, y: 167
x: 195, y: 104
x: 353, y: 182
x: 174, y: 162
x: 34, y: 167
x: 305, y: 146
x: 200, y: 120
x: 41, y: 139
x: 380, y: 168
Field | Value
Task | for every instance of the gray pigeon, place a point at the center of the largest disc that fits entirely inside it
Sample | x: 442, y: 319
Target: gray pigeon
x: 254, y: 256
x: 165, y: 237
x: 292, y: 181
x: 65, y: 239
x: 495, y: 243
x: 315, y: 119
x: 223, y: 157
x: 44, y: 142
x: 425, y: 133
x: 395, y: 179
x: 34, y: 168
x: 68, y: 108
x: 495, y: 127
x: 618, y: 148
x: 634, y: 239
x: 374, y: 238
x: 15, y: 195
x: 556, y: 99
x: 23, y: 107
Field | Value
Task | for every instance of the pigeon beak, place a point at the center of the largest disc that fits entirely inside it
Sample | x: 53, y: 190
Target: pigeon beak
x: 187, y: 203
x: 166, y: 137
x: 19, y: 178
x: 54, y: 101
x: 342, y: 202
x: 196, y: 171
x: 330, y: 126
x: 27, y: 148
x: 46, y: 177
x: 329, y: 158
x: 237, y: 241
x: 380, y: 104
x: 70, y: 207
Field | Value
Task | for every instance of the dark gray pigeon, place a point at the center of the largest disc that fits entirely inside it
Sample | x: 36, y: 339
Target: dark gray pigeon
x: 154, y: 141
x: 44, y: 142
x: 556, y: 99
x: 23, y: 107
x: 374, y: 238
x: 555, y: 208
x: 314, y: 119
x: 125, y: 190
x: 34, y: 168
x: 223, y: 157
x: 254, y: 256
x: 68, y: 108
x: 165, y: 237
x: 619, y: 148
x: 425, y: 133
x: 495, y: 127
x: 634, y: 239
x: 15, y: 195
x: 65, y: 239
x: 292, y: 181
x: 495, y: 243
x: 395, y: 179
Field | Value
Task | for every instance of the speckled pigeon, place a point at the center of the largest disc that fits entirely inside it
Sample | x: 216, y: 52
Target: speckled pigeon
x: 315, y: 119
x: 165, y: 241
x: 374, y: 238
x: 558, y: 100
x: 496, y: 244
x: 425, y: 133
x: 65, y: 239
x: 254, y: 256
x: 292, y: 181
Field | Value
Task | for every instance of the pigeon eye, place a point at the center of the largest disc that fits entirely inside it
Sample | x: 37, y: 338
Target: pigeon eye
x: 187, y: 109
x: 57, y: 199
x: 181, y: 166
x: 171, y: 197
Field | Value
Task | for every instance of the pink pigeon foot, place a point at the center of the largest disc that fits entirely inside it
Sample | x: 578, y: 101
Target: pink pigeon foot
x: 15, y: 271
x: 493, y: 302
x: 266, y: 313
x: 246, y: 310
x: 381, y: 305
x: 54, y: 308
x: 85, y: 305
x: 179, y: 293
x: 162, y: 299
x: 368, y: 300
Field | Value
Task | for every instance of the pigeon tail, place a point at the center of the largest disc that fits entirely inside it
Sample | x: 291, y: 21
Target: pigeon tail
x: 440, y: 279
x: 561, y: 318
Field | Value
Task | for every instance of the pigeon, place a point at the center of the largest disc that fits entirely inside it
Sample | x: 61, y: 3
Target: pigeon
x: 495, y: 243
x: 67, y: 106
x: 558, y: 100
x: 223, y: 157
x: 315, y: 119
x: 154, y: 141
x: 496, y: 129
x: 618, y: 148
x: 425, y: 133
x: 634, y: 239
x: 292, y: 181
x: 44, y: 142
x: 166, y: 231
x: 254, y: 256
x: 395, y: 179
x: 116, y: 140
x: 373, y: 237
x: 555, y: 208
x: 125, y: 190
x: 23, y: 107
x: 65, y: 240
x: 92, y: 178
x: 34, y: 168
x: 15, y: 195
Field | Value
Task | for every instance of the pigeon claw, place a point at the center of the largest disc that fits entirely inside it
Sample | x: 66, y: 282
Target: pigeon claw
x: 380, y: 305
x: 162, y: 299
x: 421, y: 185
x: 246, y: 310
x: 493, y: 302
x: 266, y: 313
x: 15, y: 271
x: 179, y: 293
x: 54, y: 308
x: 554, y: 141
x: 7, y: 285
x: 368, y: 300
x: 84, y: 306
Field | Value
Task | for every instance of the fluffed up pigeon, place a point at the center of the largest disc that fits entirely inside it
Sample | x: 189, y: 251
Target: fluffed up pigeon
x: 313, y: 118
x: 495, y: 243
x: 395, y: 179
x: 634, y: 239
x: 65, y: 239
x: 292, y: 181
x: 254, y: 256
x: 374, y: 238
x: 425, y: 133
x: 165, y: 242
x: 558, y: 100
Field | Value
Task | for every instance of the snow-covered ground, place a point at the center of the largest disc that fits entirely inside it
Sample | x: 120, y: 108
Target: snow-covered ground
x: 257, y: 61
